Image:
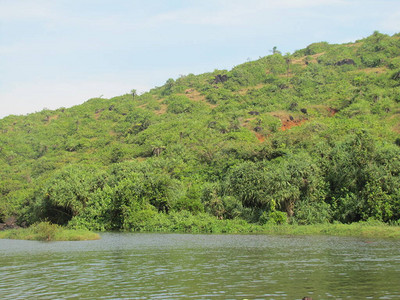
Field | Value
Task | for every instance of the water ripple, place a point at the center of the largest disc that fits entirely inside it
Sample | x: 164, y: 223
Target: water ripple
x: 161, y: 266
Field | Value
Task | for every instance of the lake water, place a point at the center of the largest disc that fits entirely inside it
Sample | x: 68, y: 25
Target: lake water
x: 183, y: 266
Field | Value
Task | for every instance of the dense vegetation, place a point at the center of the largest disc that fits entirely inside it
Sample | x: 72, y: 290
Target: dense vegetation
x: 303, y: 138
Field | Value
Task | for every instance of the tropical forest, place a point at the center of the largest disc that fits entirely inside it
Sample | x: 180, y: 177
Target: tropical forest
x: 302, y: 138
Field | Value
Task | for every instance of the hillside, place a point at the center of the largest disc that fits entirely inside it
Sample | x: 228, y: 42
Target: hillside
x: 312, y: 136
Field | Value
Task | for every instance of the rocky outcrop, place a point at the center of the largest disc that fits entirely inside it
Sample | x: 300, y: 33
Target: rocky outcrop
x: 346, y: 61
x: 254, y: 113
x: 220, y: 79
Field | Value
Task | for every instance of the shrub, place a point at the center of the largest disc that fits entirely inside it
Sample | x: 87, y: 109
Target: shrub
x: 44, y: 231
x: 178, y: 104
x: 273, y: 218
x: 307, y: 213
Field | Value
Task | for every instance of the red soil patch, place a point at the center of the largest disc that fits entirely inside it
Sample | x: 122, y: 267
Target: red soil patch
x: 288, y: 121
x: 332, y: 111
x: 287, y: 124
x: 260, y: 137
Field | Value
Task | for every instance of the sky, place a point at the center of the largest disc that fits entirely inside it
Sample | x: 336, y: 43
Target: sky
x: 60, y: 53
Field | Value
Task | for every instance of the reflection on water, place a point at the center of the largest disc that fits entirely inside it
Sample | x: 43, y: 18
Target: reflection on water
x: 181, y: 266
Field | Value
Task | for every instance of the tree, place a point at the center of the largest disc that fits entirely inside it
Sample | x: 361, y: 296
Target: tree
x: 66, y: 194
x: 133, y: 92
x: 363, y: 178
x: 275, y: 50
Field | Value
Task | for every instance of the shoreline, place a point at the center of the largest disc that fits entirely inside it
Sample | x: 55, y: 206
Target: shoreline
x: 340, y: 230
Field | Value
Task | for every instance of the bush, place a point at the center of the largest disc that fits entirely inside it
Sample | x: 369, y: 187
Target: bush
x: 136, y: 220
x: 307, y: 213
x: 273, y: 218
x: 44, y: 231
x: 178, y: 104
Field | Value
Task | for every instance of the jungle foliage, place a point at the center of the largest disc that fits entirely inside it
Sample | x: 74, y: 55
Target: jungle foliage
x: 303, y: 138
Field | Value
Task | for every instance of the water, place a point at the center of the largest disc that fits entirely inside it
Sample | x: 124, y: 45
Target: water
x: 182, y: 266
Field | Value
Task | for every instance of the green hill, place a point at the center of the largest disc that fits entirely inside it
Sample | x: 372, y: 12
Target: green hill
x: 312, y: 135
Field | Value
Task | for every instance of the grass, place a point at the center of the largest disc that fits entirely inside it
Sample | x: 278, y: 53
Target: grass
x: 204, y: 223
x: 45, y: 231
x: 351, y: 230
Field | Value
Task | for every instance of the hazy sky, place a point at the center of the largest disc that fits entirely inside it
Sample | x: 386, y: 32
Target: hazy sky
x: 59, y: 53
